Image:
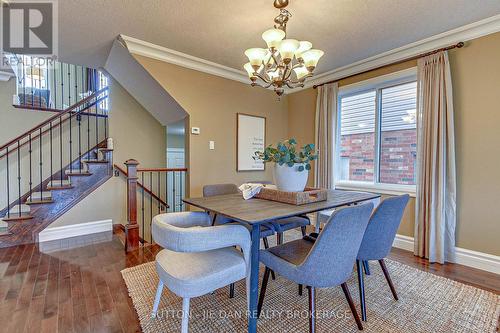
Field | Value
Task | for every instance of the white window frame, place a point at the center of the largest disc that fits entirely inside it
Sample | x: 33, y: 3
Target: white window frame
x: 377, y: 84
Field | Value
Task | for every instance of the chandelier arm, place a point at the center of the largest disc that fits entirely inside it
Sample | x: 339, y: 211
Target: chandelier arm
x: 276, y: 60
x: 289, y: 73
x: 262, y: 86
x: 272, y: 68
x: 262, y: 78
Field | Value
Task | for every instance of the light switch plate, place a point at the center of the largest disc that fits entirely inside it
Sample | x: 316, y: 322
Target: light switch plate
x: 211, y: 145
x: 195, y: 130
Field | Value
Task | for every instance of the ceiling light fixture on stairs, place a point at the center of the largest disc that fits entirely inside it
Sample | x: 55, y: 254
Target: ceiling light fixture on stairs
x: 286, y: 62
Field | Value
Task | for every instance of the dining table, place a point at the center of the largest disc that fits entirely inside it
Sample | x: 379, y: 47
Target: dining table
x: 254, y: 212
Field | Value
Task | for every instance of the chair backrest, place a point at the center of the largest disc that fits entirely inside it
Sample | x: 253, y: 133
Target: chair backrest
x: 382, y: 228
x: 331, y: 259
x: 173, y: 231
x: 191, y: 232
x: 219, y: 189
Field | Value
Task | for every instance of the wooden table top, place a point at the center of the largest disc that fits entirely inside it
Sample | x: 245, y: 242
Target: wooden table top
x: 258, y: 210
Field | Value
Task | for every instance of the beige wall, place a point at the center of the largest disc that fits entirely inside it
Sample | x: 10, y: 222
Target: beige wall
x: 212, y: 103
x: 301, y: 118
x: 137, y: 135
x: 476, y: 82
x: 476, y: 93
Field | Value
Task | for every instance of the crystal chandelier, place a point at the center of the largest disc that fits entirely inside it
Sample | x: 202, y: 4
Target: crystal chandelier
x: 286, y: 62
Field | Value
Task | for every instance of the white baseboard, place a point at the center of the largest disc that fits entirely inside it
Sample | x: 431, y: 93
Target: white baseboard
x: 479, y: 260
x: 403, y: 242
x: 74, y: 230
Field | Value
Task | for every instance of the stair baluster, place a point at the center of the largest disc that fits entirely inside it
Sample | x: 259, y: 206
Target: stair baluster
x: 19, y: 175
x: 151, y: 195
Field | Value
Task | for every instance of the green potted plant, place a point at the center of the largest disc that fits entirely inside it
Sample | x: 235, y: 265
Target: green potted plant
x: 291, y: 165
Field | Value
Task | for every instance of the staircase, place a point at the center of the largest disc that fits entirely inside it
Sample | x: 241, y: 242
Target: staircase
x: 50, y: 168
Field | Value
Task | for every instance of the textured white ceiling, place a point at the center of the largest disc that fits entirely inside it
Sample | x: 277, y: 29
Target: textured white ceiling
x: 220, y: 30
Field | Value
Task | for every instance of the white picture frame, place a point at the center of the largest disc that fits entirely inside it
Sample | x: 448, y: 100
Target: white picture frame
x: 250, y: 137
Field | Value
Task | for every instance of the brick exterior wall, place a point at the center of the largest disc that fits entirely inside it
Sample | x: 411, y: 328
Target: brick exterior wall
x: 397, y: 156
x: 398, y: 151
x: 359, y: 149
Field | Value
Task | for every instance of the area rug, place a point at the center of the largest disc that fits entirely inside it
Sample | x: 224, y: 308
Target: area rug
x: 427, y: 303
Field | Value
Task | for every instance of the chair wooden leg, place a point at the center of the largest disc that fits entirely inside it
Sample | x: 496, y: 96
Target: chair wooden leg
x: 347, y: 294
x: 361, y: 284
x: 263, y: 288
x: 157, y: 299
x: 231, y: 290
x: 266, y: 246
x: 366, y: 266
x: 300, y: 289
x: 312, y: 309
x: 388, y: 278
x: 303, y: 230
x: 185, y: 315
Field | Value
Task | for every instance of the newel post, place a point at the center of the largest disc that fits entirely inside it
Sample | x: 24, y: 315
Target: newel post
x: 132, y: 228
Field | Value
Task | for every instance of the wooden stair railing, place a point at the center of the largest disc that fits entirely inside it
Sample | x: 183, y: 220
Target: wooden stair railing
x: 80, y: 112
x: 38, y: 153
x: 170, y: 188
x: 146, y: 189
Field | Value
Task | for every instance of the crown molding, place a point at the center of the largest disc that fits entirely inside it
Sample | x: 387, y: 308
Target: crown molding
x: 462, y: 34
x: 140, y: 47
x: 465, y: 33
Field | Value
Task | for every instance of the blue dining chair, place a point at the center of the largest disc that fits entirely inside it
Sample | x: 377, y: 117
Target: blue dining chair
x: 288, y: 223
x: 266, y: 230
x: 325, y: 263
x: 377, y: 241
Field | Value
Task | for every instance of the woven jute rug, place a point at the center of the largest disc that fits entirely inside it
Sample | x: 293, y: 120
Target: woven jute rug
x: 427, y: 303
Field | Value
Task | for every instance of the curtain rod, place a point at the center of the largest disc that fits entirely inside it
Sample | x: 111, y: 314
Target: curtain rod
x: 457, y: 46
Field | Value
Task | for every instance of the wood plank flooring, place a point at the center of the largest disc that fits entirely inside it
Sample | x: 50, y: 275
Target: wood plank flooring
x: 81, y: 289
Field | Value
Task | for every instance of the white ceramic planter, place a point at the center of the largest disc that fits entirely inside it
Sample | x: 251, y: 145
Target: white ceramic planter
x: 290, y: 179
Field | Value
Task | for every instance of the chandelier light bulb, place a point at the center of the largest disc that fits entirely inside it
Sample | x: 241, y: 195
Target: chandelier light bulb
x: 287, y: 49
x: 273, y: 37
x: 300, y: 72
x: 303, y: 47
x: 311, y: 58
x: 251, y: 72
x: 256, y: 56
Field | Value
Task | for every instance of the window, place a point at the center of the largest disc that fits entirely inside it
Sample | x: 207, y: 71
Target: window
x: 32, y: 73
x: 377, y: 136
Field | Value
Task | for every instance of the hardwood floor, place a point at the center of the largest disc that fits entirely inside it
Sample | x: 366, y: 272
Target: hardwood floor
x: 76, y: 285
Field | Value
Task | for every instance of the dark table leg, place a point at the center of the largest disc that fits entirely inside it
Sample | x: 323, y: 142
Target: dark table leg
x: 254, y: 279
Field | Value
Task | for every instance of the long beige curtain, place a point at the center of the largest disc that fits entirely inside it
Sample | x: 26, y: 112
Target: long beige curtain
x: 326, y: 124
x: 435, y: 218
